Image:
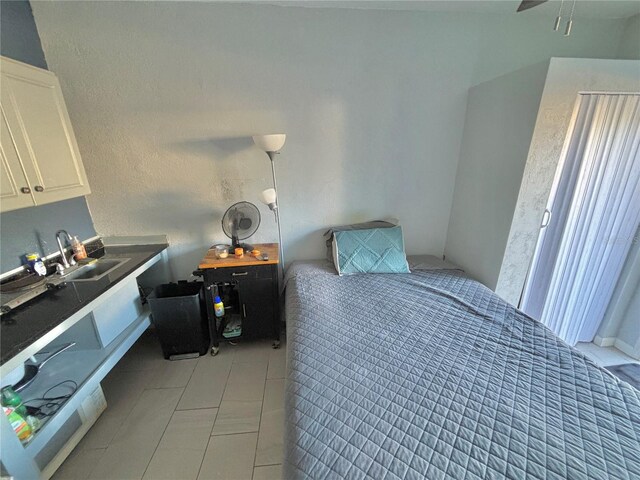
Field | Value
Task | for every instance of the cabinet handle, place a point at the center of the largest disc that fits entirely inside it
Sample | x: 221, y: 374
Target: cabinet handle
x: 546, y: 218
x: 39, y: 188
x: 25, y: 190
x: 240, y: 274
x: 244, y: 311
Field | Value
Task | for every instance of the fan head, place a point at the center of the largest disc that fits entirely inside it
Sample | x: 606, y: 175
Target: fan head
x: 240, y: 221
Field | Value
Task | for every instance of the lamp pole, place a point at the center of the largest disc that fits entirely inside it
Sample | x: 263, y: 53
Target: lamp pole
x: 271, y: 144
x: 275, y: 210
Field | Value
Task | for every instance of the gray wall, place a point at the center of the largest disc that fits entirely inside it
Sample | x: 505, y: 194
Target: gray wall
x: 32, y: 229
x: 630, y: 44
x: 164, y: 97
x: 501, y: 114
x: 18, y: 34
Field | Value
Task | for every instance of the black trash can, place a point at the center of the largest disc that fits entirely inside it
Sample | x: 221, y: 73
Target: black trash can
x: 179, y: 315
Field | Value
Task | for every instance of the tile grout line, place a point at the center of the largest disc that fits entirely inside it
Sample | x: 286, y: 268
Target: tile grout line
x: 165, y: 431
x: 195, y: 408
x: 264, y: 394
x: 119, y: 426
x: 125, y: 417
x: 187, y: 384
x: 82, y: 452
x: 261, y: 406
x: 191, y: 376
x: 116, y: 435
x: 231, y: 433
x: 120, y: 422
x: 158, y: 444
x: 205, y: 450
x: 168, y: 388
x: 160, y: 439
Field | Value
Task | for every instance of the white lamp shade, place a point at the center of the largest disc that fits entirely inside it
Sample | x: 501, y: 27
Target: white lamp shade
x: 268, y: 196
x: 270, y: 143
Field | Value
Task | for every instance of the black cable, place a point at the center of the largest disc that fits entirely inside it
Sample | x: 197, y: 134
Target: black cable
x: 51, y: 405
x: 74, y: 384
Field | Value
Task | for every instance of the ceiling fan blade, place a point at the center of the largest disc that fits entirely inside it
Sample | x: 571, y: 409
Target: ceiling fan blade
x: 527, y: 4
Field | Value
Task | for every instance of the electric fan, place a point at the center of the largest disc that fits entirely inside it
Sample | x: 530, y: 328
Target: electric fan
x: 240, y: 221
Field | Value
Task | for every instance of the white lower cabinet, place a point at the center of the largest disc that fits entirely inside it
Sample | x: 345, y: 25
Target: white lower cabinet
x: 102, y: 337
x: 112, y: 318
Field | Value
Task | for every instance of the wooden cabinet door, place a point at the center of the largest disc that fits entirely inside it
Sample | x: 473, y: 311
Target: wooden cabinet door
x: 36, y: 111
x: 14, y: 188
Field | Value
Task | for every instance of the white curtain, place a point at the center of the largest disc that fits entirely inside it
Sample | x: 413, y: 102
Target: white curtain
x: 596, y: 208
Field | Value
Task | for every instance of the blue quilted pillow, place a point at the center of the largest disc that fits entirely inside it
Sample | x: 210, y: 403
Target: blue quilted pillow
x: 375, y: 250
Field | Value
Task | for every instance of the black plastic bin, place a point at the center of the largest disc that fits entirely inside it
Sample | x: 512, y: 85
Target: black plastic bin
x: 179, y: 316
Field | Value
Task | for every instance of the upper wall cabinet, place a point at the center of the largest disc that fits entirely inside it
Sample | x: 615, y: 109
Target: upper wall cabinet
x: 40, y: 161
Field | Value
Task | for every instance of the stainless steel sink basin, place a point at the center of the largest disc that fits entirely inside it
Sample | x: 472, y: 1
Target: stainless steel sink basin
x: 94, y: 271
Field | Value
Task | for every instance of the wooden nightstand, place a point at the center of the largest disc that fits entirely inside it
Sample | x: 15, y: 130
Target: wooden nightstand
x: 250, y: 287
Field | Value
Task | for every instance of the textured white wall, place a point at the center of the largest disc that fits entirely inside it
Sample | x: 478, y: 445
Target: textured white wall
x: 163, y: 97
x: 501, y: 114
x: 565, y: 79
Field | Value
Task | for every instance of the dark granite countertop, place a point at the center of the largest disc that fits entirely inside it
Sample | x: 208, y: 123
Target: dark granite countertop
x: 27, y: 323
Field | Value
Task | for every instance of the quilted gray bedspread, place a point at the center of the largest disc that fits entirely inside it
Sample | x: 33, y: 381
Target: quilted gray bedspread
x: 431, y: 375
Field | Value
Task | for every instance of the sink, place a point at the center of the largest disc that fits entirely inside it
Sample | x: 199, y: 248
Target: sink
x: 94, y: 271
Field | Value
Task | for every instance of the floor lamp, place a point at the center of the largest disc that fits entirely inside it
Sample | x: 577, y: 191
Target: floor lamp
x: 271, y: 144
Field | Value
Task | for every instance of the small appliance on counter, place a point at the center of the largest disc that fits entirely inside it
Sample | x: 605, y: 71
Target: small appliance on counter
x: 23, y: 287
x: 239, y: 222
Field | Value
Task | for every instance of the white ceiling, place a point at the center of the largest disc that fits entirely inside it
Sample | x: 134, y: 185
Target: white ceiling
x: 584, y: 8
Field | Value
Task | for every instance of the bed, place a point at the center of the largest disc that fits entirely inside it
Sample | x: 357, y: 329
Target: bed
x: 431, y: 375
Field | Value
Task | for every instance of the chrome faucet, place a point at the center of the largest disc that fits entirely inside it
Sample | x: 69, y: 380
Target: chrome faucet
x: 65, y: 263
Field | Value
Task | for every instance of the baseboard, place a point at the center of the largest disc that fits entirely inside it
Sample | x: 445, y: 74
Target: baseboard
x: 626, y: 349
x: 604, y: 341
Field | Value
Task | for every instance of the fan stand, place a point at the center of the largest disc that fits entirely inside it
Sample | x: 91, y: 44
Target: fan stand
x: 235, y: 243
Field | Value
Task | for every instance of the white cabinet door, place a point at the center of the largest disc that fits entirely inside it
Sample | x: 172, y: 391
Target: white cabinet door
x: 14, y: 189
x: 37, y: 118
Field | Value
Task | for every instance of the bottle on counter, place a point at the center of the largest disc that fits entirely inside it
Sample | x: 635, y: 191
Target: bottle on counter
x: 10, y: 398
x: 78, y: 249
x: 34, y: 423
x: 19, y: 424
x: 36, y: 264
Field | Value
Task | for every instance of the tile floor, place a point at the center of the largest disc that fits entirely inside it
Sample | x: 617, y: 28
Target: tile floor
x: 605, y: 356
x: 207, y: 418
